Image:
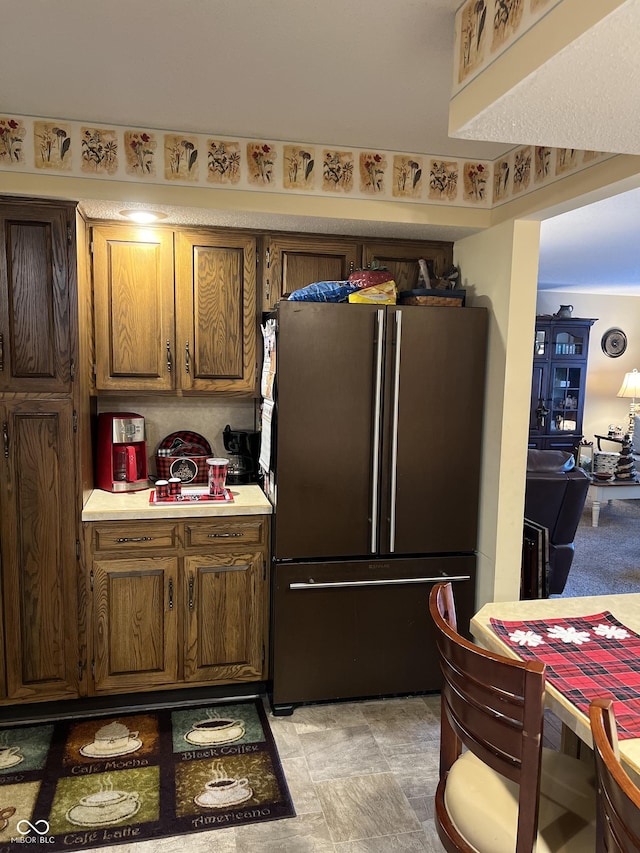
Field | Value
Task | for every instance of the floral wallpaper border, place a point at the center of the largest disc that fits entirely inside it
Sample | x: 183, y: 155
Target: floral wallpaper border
x: 80, y: 149
x: 484, y: 29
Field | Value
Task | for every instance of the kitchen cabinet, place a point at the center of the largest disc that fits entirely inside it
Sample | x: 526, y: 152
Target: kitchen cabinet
x: 177, y: 603
x: 38, y: 539
x: 36, y: 333
x: 401, y: 257
x: 561, y: 349
x: 42, y: 419
x: 293, y: 261
x: 174, y: 311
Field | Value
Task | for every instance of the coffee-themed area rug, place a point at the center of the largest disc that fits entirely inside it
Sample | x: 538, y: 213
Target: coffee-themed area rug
x: 80, y: 783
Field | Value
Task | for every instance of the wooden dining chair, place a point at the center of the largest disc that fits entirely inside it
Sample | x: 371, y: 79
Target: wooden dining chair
x: 503, y: 792
x: 618, y: 804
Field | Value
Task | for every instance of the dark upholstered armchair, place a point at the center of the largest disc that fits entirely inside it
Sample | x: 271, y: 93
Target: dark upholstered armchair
x: 555, y: 495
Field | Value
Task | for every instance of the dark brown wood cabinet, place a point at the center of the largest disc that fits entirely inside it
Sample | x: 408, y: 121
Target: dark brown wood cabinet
x: 40, y: 480
x: 401, y: 257
x: 39, y: 561
x: 36, y: 333
x: 177, y: 603
x: 292, y: 261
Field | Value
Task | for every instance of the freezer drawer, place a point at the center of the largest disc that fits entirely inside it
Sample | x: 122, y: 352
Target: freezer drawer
x: 359, y: 629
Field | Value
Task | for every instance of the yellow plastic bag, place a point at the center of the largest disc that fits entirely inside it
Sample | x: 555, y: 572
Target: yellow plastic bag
x: 379, y: 294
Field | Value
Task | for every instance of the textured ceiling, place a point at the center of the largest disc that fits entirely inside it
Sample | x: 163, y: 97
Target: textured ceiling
x: 587, y: 96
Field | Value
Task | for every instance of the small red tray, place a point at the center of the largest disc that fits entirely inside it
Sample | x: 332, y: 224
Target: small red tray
x: 191, y: 496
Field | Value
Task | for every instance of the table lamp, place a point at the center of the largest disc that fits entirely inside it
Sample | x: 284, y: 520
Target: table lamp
x: 630, y: 388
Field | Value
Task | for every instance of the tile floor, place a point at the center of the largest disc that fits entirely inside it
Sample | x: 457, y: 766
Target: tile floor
x: 362, y: 776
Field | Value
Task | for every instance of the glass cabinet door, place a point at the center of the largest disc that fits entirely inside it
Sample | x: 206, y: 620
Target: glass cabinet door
x: 567, y: 341
x: 566, y: 398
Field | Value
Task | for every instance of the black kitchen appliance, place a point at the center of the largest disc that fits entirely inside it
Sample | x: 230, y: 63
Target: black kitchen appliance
x: 376, y: 464
x: 243, y: 447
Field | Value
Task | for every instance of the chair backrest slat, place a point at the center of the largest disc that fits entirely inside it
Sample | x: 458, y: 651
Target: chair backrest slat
x: 494, y: 706
x: 618, y: 797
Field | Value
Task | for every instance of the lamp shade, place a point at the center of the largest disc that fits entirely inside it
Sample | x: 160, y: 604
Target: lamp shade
x: 630, y: 385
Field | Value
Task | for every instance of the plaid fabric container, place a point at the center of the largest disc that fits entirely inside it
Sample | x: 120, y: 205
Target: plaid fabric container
x: 184, y: 455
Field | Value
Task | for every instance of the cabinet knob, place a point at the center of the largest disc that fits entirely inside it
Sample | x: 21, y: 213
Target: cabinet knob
x: 187, y: 356
x: 170, y: 593
x: 190, y: 592
x: 169, y: 359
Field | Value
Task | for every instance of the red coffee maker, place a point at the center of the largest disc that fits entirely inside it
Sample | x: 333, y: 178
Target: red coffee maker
x: 121, y: 454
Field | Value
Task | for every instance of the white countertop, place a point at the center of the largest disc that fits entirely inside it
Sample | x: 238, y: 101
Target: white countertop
x: 129, y: 506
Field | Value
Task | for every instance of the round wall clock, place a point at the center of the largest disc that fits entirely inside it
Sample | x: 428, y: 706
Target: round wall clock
x: 614, y: 342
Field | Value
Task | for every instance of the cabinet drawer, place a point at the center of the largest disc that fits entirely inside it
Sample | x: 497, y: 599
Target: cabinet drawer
x: 227, y: 531
x: 121, y: 536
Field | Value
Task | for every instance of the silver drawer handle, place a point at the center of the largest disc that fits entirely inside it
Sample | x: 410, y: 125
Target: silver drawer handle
x: 225, y: 535
x: 387, y: 582
x: 135, y: 539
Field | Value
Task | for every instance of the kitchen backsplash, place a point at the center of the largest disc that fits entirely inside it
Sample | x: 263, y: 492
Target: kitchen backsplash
x: 202, y: 415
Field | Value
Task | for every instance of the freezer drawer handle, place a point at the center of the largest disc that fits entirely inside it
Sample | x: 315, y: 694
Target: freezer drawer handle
x: 386, y: 582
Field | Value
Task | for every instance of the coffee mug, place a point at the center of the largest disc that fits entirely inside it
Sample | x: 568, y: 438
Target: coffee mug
x: 212, y: 731
x: 113, y: 737
x: 7, y: 753
x: 5, y: 814
x: 226, y: 785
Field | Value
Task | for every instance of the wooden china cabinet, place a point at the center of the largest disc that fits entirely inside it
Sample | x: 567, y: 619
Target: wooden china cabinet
x: 560, y: 355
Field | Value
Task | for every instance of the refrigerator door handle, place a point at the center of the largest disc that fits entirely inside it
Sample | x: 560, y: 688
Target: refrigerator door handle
x: 394, y: 433
x: 386, y: 582
x: 375, y: 461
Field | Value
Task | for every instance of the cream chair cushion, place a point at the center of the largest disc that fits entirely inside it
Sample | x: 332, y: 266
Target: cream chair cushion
x: 484, y: 805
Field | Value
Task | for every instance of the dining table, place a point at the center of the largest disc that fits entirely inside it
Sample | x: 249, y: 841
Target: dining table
x: 590, y: 646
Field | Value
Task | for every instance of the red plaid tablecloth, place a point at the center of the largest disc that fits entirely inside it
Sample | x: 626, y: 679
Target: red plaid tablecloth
x: 586, y: 657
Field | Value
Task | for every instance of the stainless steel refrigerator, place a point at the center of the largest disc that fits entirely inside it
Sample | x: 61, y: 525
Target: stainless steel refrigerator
x: 376, y: 461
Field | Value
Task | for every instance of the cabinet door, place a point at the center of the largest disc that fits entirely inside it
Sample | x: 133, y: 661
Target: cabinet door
x: 294, y: 262
x: 226, y: 597
x: 401, y: 258
x: 135, y: 609
x: 134, y: 313
x: 566, y: 392
x: 36, y: 342
x: 217, y: 322
x: 38, y: 547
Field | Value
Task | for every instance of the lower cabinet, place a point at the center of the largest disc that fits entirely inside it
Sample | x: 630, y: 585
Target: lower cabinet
x: 177, y: 604
x: 38, y: 552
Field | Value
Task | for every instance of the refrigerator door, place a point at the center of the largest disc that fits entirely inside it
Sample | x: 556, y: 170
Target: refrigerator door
x: 356, y: 629
x: 327, y: 456
x: 432, y: 430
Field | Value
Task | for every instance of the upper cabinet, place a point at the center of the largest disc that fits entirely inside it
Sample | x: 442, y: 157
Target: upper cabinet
x: 294, y: 261
x: 37, y: 341
x: 216, y: 312
x: 401, y: 257
x: 134, y: 309
x: 174, y: 311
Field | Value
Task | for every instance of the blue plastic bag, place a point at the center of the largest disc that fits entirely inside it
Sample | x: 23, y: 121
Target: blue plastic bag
x: 324, y: 291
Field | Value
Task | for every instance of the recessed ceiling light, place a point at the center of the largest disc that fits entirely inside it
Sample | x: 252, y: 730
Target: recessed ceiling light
x: 143, y: 217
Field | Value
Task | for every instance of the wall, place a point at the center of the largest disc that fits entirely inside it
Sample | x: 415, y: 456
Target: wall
x: 605, y: 374
x: 504, y: 265
x: 164, y: 415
